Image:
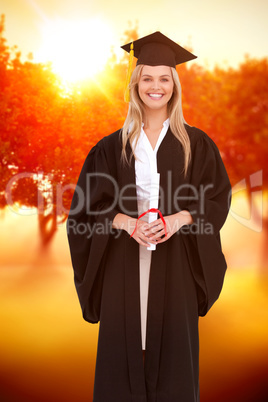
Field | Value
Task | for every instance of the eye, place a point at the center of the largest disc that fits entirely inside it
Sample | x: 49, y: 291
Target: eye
x: 147, y: 79
x: 164, y: 80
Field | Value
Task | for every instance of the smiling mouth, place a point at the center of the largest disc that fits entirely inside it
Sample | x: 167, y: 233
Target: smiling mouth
x: 155, y: 96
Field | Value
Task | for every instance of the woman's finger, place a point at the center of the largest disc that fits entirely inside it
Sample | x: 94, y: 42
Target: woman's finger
x: 147, y: 239
x: 142, y: 239
x: 155, y: 229
x: 165, y: 238
x: 144, y: 243
x: 139, y: 238
x: 158, y: 235
x: 154, y: 223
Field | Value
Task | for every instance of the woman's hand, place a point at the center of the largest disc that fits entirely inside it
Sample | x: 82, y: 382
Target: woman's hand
x: 156, y: 230
x: 141, y: 234
x: 152, y: 233
x: 125, y: 222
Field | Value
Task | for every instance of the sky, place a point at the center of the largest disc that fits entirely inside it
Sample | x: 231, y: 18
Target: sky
x: 219, y: 32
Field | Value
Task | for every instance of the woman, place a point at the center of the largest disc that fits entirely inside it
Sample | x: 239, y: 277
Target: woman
x: 148, y: 278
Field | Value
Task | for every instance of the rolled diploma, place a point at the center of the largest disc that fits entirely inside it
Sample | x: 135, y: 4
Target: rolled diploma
x: 154, y: 200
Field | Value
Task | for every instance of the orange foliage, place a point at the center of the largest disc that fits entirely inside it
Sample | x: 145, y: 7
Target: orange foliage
x: 44, y: 131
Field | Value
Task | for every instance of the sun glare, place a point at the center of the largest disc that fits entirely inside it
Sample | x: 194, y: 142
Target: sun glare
x: 76, y: 49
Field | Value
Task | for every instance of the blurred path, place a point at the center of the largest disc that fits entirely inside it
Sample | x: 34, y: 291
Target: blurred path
x: 48, y: 352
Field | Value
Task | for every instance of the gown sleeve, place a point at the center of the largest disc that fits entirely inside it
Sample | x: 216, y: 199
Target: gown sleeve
x: 209, y: 209
x: 88, y: 229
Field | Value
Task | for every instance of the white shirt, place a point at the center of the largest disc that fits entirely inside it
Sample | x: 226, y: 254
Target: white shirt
x: 147, y: 177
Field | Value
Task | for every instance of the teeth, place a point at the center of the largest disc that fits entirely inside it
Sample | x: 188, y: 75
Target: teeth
x: 155, y: 95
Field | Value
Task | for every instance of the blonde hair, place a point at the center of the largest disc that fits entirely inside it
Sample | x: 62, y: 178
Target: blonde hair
x: 133, y: 123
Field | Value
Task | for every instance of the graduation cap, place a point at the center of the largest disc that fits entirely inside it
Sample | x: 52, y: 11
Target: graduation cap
x: 155, y: 50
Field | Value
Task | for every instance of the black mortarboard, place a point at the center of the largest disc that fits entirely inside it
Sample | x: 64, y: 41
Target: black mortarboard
x: 158, y: 50
x: 155, y: 50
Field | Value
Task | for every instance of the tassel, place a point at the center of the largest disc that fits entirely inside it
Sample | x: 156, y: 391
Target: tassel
x: 129, y: 72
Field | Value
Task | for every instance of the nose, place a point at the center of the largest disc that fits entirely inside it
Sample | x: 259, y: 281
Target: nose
x: 155, y: 84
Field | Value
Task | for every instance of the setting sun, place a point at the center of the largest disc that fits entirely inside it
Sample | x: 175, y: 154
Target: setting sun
x: 77, y: 49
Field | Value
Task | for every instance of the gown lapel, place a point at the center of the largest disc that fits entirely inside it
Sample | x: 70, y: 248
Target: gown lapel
x: 132, y: 292
x: 157, y: 284
x: 143, y: 380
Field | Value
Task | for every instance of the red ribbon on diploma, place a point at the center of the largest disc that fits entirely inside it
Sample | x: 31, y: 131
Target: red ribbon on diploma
x: 146, y: 212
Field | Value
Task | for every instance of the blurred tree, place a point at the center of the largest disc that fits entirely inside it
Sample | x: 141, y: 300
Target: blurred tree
x: 46, y: 134
x: 231, y: 106
x: 247, y: 146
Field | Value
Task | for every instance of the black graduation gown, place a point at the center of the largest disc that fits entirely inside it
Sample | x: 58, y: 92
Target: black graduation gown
x: 186, y: 274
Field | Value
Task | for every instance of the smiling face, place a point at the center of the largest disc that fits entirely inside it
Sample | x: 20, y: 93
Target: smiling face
x: 155, y: 87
